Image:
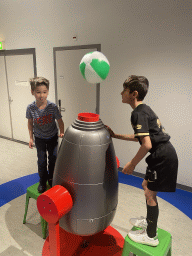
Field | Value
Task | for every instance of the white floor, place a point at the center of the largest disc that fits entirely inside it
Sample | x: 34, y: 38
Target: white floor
x: 17, y: 239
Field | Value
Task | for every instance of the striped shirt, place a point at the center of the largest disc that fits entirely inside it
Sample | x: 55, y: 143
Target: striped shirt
x: 44, y: 125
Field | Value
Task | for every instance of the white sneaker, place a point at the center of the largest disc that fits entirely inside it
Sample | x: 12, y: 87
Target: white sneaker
x: 139, y: 222
x: 140, y: 236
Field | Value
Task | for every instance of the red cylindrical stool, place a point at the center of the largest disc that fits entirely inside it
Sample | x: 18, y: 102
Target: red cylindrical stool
x: 52, y: 205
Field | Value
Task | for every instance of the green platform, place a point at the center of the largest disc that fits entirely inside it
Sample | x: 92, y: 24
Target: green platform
x: 32, y: 192
x: 163, y: 248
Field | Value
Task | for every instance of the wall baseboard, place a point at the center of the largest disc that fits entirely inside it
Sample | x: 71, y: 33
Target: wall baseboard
x: 18, y: 141
x: 137, y: 174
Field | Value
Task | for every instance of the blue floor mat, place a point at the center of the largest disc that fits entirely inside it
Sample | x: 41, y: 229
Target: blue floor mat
x: 15, y: 188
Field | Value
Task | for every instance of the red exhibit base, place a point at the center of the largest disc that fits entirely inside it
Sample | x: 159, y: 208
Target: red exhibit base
x: 108, y: 242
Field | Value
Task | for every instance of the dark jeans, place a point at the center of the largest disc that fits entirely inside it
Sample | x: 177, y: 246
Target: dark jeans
x: 43, y: 146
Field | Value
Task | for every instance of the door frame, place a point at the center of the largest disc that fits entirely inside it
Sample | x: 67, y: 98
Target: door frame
x: 15, y: 52
x: 78, y: 47
x: 25, y: 51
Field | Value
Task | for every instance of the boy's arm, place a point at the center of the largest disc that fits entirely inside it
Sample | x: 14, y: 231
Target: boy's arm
x: 143, y: 150
x: 61, y: 127
x: 130, y: 137
x: 30, y: 128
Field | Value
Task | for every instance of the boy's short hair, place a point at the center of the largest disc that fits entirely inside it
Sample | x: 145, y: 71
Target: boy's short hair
x: 137, y: 83
x: 37, y: 81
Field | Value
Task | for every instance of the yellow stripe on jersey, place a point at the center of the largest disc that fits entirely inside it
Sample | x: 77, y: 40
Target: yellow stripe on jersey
x: 141, y: 134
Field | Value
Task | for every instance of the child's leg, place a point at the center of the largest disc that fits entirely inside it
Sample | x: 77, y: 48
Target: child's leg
x: 144, y: 184
x: 52, y: 151
x: 141, y: 221
x: 152, y: 212
x: 148, y: 233
x: 151, y: 197
x: 42, y: 160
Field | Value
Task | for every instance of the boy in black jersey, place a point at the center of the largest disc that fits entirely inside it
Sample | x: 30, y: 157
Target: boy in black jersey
x: 161, y: 173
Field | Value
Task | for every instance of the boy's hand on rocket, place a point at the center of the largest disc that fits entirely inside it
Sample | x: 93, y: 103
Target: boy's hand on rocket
x: 61, y: 135
x: 110, y: 131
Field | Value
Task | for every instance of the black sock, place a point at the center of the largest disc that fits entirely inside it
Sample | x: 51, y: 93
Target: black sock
x: 146, y: 207
x: 152, y: 217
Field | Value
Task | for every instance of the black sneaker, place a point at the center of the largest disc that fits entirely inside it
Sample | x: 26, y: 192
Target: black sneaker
x: 41, y: 188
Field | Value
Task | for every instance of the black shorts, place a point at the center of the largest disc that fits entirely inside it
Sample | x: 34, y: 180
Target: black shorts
x: 162, y: 169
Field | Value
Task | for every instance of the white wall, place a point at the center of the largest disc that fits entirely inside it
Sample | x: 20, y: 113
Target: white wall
x: 141, y: 37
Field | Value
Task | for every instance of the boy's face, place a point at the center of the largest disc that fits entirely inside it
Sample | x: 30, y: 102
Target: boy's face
x: 126, y: 96
x: 41, y: 93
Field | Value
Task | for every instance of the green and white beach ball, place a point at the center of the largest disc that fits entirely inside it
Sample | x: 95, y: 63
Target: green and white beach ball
x: 94, y: 67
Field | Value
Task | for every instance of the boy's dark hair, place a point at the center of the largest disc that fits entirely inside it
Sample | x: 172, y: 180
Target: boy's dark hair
x: 37, y: 81
x: 139, y: 84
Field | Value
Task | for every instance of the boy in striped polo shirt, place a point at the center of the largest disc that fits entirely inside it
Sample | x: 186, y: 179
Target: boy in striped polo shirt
x: 41, y: 115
